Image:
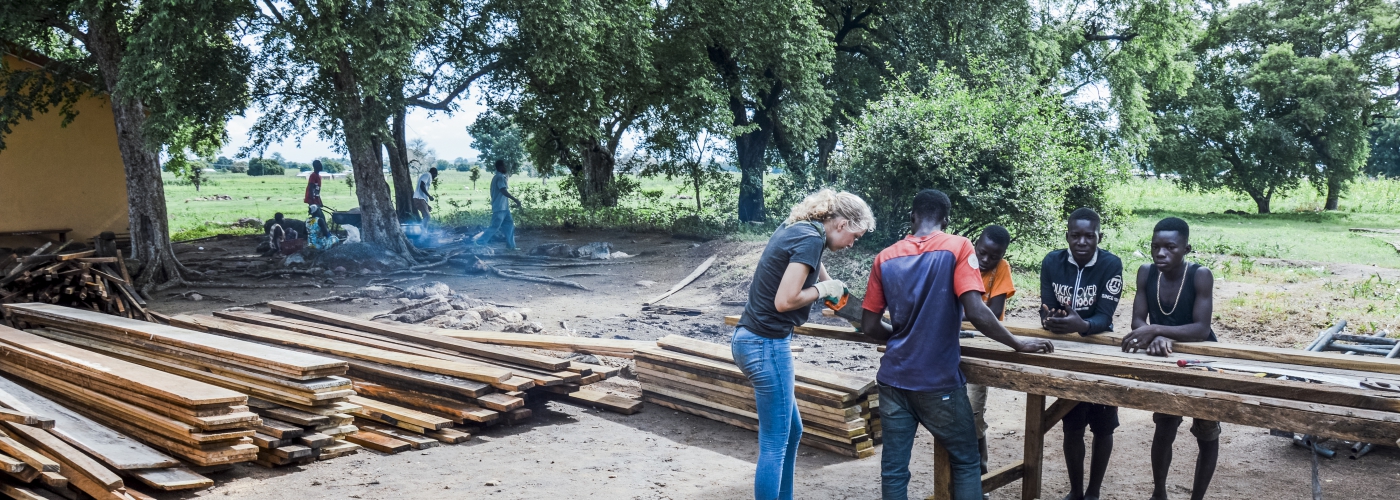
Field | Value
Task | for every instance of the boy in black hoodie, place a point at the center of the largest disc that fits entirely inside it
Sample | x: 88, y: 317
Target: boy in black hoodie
x: 1079, y: 290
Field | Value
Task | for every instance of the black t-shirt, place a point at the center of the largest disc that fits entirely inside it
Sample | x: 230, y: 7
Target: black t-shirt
x: 801, y: 242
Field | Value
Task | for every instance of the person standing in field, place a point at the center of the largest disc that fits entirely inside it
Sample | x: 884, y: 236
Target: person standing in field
x: 313, y: 192
x: 501, y: 220
x: 996, y: 280
x: 1174, y: 303
x: 1079, y: 290
x: 788, y: 279
x: 421, y: 196
x: 928, y: 282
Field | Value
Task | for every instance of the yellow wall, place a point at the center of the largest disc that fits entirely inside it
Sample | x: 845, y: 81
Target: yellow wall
x: 54, y: 177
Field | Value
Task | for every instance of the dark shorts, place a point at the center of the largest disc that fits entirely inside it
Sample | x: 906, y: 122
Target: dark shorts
x: 1100, y: 418
x: 1204, y: 430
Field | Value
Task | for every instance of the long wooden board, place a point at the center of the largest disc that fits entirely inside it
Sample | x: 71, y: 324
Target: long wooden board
x: 1309, y: 418
x: 458, y: 411
x: 109, y: 446
x: 610, y: 402
x: 699, y: 270
x: 372, y: 408
x: 600, y: 347
x: 72, y: 461
x: 172, y: 479
x: 841, y: 381
x: 482, y: 373
x: 752, y: 424
x: 806, y: 406
x: 428, y: 338
x: 247, y: 352
x: 728, y: 369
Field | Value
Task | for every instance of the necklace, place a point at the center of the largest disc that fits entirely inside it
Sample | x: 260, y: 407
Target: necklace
x: 1175, y: 303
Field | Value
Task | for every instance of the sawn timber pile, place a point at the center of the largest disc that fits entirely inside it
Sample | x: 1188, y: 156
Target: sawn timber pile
x: 416, y: 387
x: 275, y: 378
x: 838, y: 409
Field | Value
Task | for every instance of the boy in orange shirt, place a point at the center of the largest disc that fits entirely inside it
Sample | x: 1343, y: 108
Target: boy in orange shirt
x: 996, y: 277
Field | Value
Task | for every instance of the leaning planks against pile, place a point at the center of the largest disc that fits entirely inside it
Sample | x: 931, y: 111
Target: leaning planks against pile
x: 76, y: 279
x: 122, y: 454
x: 583, y: 345
x: 201, y: 423
x: 700, y: 378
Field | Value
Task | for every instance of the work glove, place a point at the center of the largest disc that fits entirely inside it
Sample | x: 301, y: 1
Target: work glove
x: 831, y: 290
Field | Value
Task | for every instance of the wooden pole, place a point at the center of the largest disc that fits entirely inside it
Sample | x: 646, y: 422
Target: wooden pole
x: 1035, y: 446
x: 942, y: 472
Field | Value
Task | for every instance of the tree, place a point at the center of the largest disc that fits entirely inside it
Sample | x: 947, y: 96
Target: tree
x: 1220, y: 135
x: 760, y: 63
x: 1385, y: 149
x: 475, y: 174
x: 494, y: 137
x: 1004, y: 151
x: 265, y: 166
x: 581, y: 74
x: 1326, y: 69
x: 174, y: 73
x: 335, y: 66
x: 679, y: 154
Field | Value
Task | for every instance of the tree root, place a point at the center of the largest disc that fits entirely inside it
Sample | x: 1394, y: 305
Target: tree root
x: 526, y: 277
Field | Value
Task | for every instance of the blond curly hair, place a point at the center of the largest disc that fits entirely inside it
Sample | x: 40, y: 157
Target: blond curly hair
x: 825, y: 204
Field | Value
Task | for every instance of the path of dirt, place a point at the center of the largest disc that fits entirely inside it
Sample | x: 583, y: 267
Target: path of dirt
x: 574, y: 453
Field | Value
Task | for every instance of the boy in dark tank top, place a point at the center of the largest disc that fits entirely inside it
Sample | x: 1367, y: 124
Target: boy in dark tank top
x: 1174, y: 304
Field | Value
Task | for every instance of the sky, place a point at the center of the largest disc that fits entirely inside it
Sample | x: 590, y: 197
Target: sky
x: 447, y: 135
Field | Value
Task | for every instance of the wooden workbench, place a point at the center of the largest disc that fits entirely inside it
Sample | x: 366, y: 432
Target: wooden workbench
x: 1093, y: 369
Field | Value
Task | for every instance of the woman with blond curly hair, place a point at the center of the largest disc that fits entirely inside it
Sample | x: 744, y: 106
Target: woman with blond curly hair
x: 788, y: 279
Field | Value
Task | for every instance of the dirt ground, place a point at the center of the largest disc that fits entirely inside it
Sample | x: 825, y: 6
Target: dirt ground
x: 570, y: 452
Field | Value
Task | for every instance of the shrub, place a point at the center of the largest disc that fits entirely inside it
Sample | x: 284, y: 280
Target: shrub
x: 265, y: 166
x: 1004, y: 153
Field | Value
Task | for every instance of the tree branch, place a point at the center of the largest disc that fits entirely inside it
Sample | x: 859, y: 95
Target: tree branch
x: 275, y: 13
x: 443, y: 104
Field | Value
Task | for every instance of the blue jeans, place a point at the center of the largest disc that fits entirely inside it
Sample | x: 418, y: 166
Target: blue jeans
x: 503, y: 222
x: 948, y: 416
x: 768, y: 365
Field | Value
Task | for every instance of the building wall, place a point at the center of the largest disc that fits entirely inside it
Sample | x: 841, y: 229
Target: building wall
x: 54, y: 177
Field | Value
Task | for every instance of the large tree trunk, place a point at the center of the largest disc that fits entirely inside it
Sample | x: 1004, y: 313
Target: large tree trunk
x: 596, y: 187
x: 145, y: 191
x: 750, y: 148
x: 398, y: 166
x: 1261, y: 202
x: 1334, y: 192
x: 379, y: 224
x: 826, y: 145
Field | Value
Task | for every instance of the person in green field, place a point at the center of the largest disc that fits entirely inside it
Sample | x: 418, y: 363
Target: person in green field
x: 501, y: 220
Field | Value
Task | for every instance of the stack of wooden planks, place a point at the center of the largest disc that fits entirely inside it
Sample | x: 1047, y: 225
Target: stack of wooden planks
x: 288, y: 436
x: 198, y: 422
x: 700, y: 378
x: 416, y: 387
x: 79, y: 279
x: 77, y: 435
x: 274, y: 377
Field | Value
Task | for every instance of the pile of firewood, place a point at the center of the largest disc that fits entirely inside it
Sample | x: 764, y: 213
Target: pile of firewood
x: 81, y: 279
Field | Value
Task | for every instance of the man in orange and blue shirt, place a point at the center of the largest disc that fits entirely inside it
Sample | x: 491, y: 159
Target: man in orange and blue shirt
x: 927, y: 281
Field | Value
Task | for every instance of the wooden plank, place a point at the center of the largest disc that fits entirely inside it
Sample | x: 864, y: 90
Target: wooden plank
x: 848, y: 382
x: 1035, y: 447
x: 279, y: 429
x: 248, y: 352
x: 11, y: 464
x: 340, y: 449
x: 404, y: 347
x: 428, y: 338
x: 132, y: 376
x: 733, y: 372
x: 1156, y: 369
x: 1007, y: 474
x: 650, y: 374
x: 699, y: 270
x: 315, y: 440
x: 824, y: 331
x: 418, y: 441
x: 72, y: 461
x: 420, y: 380
x: 610, y: 402
x: 112, y: 448
x: 27, y: 455
x: 20, y: 417
x: 18, y: 492
x: 599, y: 347
x: 858, y: 451
x: 481, y: 373
x: 458, y: 411
x: 293, y: 416
x: 839, y: 431
x: 942, y: 472
x: 378, y: 442
x: 1307, y: 418
x: 449, y: 436
x: 292, y: 451
x: 398, y: 413
x: 172, y: 479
